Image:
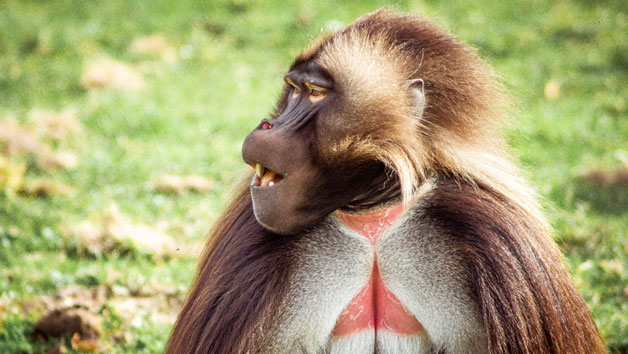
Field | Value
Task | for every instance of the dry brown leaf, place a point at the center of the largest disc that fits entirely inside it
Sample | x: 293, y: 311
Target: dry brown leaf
x: 45, y: 188
x: 67, y: 321
x: 91, y: 239
x: 142, y: 237
x: 606, y: 177
x: 552, y: 90
x: 57, y: 125
x: 63, y: 160
x: 198, y: 183
x: 16, y: 140
x: 115, y: 231
x: 179, y: 184
x: 108, y: 73
x: 155, y: 44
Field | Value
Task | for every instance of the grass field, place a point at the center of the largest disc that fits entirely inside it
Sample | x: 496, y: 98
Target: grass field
x: 100, y: 99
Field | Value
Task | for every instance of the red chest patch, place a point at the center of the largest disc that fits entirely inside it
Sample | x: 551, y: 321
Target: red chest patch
x: 375, y: 306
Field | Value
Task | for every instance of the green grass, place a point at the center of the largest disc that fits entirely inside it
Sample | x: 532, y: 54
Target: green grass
x: 194, y: 112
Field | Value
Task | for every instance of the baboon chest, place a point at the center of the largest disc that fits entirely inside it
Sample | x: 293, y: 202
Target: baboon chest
x: 350, y: 291
x: 375, y: 307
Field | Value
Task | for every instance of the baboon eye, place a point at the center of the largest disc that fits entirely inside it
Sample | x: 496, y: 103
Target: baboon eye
x: 316, y: 93
x: 296, y: 91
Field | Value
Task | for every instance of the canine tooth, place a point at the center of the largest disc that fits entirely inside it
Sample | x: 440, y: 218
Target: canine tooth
x: 271, y: 184
x: 259, y: 170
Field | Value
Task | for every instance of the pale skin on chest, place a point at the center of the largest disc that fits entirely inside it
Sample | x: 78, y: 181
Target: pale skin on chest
x: 375, y: 306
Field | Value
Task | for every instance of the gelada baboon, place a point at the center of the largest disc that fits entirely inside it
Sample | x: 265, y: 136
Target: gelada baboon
x: 383, y: 215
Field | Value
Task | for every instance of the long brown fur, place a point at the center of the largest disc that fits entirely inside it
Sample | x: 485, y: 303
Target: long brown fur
x: 527, y: 300
x: 241, y: 278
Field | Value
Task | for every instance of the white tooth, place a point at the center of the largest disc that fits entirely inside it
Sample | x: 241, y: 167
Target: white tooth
x: 271, y: 184
x: 259, y: 170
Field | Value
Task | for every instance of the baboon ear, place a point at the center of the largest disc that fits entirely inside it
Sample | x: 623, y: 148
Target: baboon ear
x: 417, y: 91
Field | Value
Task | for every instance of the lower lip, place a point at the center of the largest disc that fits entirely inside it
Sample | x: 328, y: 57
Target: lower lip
x: 257, y: 181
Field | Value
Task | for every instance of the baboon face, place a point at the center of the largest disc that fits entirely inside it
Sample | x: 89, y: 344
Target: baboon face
x: 321, y: 150
x: 288, y: 189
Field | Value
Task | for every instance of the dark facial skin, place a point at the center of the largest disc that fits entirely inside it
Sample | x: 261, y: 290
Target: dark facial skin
x: 306, y: 189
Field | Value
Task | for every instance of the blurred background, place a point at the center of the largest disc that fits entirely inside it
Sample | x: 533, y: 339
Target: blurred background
x: 121, y: 124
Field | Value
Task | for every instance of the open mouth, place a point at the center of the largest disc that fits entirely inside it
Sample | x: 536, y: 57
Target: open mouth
x: 265, y: 177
